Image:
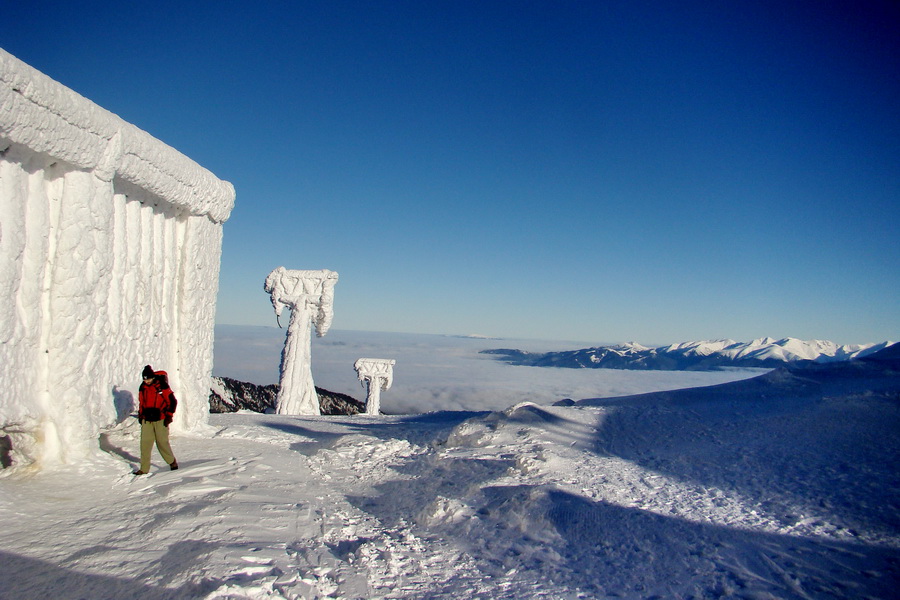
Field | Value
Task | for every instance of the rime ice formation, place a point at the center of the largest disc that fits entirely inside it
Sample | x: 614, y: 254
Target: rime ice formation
x: 377, y: 374
x: 109, y: 260
x: 310, y: 297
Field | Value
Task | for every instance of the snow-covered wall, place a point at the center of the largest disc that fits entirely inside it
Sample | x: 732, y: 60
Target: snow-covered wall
x: 110, y: 243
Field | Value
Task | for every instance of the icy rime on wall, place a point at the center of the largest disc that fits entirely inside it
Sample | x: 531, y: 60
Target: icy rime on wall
x: 110, y: 244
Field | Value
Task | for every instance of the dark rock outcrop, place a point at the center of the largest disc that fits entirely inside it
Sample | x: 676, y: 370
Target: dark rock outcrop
x: 231, y: 395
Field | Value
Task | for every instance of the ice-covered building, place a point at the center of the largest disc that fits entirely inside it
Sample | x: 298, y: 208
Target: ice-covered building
x: 110, y: 243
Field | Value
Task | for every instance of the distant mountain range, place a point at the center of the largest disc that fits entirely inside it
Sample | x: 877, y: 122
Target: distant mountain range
x: 693, y: 356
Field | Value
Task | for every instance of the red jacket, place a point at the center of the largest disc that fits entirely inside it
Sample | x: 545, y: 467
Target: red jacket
x: 157, y: 402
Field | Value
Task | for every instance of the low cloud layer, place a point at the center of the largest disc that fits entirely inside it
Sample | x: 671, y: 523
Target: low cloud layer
x: 436, y: 372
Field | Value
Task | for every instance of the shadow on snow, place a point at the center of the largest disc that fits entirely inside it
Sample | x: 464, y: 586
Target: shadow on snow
x: 796, y: 443
x: 24, y: 577
x: 427, y: 427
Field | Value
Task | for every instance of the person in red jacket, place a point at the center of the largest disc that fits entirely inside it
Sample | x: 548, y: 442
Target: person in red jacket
x: 157, y: 406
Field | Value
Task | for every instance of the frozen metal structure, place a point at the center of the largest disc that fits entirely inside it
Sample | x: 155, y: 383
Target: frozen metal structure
x: 110, y: 243
x: 310, y: 297
x: 377, y: 374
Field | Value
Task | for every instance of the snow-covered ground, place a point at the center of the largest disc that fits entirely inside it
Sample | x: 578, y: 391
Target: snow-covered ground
x: 783, y: 486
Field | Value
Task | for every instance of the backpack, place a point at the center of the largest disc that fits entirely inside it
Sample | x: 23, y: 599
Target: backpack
x: 168, y: 411
x: 165, y: 412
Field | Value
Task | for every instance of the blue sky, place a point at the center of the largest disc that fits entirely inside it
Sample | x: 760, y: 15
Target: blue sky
x: 593, y: 171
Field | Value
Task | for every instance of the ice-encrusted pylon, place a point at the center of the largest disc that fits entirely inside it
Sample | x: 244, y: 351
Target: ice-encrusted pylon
x: 310, y: 297
x: 377, y: 374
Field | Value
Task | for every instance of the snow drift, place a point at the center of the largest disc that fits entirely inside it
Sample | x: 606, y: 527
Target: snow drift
x: 110, y: 244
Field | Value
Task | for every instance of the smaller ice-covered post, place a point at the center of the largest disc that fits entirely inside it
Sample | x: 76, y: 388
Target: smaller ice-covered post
x: 377, y: 374
x: 310, y: 296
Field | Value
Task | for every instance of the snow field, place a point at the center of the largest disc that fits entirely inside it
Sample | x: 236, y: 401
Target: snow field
x: 778, y: 487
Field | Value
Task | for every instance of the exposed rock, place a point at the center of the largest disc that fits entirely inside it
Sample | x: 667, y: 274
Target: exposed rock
x: 230, y: 395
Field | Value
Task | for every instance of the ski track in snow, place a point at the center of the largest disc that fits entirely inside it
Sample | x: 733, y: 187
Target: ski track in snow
x: 685, y: 495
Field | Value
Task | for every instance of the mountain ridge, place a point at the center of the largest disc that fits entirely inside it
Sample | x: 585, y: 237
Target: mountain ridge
x: 703, y: 355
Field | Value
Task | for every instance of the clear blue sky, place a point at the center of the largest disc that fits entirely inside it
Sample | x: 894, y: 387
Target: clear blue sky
x: 594, y: 171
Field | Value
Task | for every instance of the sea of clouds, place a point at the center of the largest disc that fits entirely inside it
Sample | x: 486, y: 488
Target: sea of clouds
x: 436, y: 372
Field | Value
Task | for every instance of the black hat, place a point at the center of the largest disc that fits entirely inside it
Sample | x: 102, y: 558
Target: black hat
x: 148, y: 372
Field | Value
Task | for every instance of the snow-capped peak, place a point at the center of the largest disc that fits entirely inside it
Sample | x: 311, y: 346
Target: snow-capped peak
x: 764, y: 352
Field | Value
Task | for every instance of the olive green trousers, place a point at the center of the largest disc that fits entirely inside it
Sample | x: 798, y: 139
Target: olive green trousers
x: 155, y: 431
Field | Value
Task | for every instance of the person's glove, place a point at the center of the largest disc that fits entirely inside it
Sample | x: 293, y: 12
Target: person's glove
x: 166, y: 421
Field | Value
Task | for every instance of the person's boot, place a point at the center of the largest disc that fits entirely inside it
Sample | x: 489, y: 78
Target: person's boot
x: 138, y: 472
x: 173, y: 465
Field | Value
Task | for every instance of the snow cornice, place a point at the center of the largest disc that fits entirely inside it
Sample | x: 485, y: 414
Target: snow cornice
x: 49, y: 118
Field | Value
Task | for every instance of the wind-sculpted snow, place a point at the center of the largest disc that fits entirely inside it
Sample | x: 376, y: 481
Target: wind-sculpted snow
x: 39, y: 114
x: 310, y: 297
x: 783, y: 486
x: 109, y: 260
x: 718, y: 354
x: 376, y: 374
